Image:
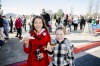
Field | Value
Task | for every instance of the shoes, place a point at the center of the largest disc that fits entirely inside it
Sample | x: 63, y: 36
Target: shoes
x: 6, y: 38
x: 16, y: 36
x: 20, y: 38
x: 10, y: 32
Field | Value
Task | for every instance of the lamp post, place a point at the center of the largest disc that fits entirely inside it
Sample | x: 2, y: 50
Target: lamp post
x: 1, y: 11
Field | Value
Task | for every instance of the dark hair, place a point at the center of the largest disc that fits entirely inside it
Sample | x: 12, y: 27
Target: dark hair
x: 43, y: 22
x: 61, y: 28
x: 43, y: 9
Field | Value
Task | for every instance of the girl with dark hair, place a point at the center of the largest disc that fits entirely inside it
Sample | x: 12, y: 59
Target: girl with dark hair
x: 35, y: 47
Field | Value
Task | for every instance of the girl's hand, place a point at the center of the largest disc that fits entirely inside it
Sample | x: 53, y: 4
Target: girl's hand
x: 41, y: 55
x: 49, y: 48
x: 26, y: 40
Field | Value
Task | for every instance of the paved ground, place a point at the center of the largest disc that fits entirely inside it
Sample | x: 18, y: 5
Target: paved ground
x: 91, y: 58
x: 12, y: 51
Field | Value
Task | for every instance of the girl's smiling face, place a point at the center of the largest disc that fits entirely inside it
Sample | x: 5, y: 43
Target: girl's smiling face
x: 60, y: 35
x: 38, y: 24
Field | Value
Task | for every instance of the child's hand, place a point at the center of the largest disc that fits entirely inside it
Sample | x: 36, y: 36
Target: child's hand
x: 41, y: 55
x: 49, y: 48
x: 26, y: 40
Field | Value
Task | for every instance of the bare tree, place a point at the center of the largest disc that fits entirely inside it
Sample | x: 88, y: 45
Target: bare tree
x: 90, y: 7
x: 97, y: 8
x: 71, y: 10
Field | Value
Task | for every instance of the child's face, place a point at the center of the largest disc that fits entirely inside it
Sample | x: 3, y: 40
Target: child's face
x: 60, y: 35
x: 38, y: 24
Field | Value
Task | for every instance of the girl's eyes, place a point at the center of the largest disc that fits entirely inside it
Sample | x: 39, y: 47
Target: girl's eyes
x: 40, y: 22
x: 58, y: 34
x: 37, y: 22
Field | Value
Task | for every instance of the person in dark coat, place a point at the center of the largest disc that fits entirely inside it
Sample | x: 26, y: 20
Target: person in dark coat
x: 58, y: 21
x: 11, y: 24
x: 24, y: 22
x: 46, y: 17
x: 82, y: 22
x: 34, y: 47
x: 65, y: 20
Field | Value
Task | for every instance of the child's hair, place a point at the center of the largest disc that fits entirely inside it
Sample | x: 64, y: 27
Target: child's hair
x: 61, y: 28
x: 43, y: 22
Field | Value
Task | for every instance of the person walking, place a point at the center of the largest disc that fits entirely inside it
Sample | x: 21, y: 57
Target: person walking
x: 6, y: 27
x: 2, y: 28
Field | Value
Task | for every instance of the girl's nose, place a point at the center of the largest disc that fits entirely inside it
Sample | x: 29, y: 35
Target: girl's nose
x: 58, y: 35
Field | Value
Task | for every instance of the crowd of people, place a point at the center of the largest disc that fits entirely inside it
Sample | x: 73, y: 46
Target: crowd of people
x: 9, y: 26
x: 68, y: 21
x: 73, y: 23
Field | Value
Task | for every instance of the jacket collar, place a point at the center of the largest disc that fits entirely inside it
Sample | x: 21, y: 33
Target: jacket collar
x: 64, y: 41
x: 40, y: 32
x: 38, y: 35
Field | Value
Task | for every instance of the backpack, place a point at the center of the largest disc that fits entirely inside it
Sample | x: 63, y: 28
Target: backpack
x: 1, y: 22
x: 47, y: 17
x: 65, y: 22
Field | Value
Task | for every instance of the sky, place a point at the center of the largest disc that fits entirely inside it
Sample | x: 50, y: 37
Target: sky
x: 28, y: 7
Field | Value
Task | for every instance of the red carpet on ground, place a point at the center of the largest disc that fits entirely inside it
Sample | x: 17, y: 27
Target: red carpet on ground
x: 76, y: 50
x: 97, y: 30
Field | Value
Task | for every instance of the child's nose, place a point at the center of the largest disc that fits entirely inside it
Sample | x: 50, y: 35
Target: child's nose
x: 38, y: 23
x: 59, y: 36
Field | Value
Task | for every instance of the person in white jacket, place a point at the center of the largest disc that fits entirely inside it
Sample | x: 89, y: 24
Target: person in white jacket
x: 76, y: 22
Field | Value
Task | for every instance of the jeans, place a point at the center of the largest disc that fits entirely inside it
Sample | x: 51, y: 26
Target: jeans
x: 6, y: 32
x: 69, y: 25
x: 90, y: 28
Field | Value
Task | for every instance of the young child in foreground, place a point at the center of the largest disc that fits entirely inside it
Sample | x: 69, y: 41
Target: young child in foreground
x: 63, y: 49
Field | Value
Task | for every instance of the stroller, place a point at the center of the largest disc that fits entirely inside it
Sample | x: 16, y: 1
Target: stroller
x: 1, y: 43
